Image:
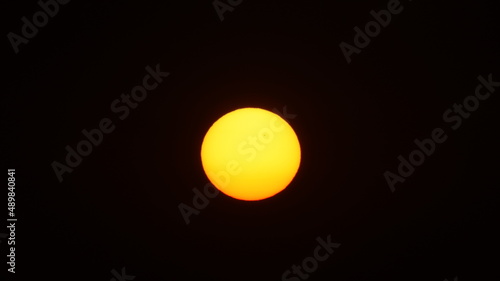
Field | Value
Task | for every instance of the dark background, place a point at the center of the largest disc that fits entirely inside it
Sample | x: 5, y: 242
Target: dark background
x: 119, y: 207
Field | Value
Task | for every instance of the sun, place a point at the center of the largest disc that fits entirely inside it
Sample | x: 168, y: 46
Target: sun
x: 250, y: 154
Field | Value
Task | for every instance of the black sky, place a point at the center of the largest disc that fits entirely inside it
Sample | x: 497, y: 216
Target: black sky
x: 119, y: 207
